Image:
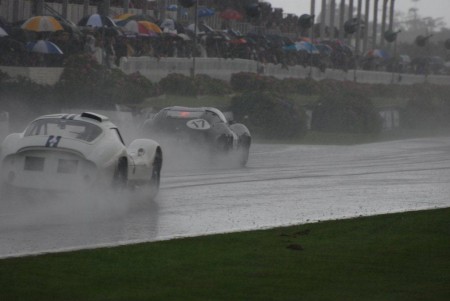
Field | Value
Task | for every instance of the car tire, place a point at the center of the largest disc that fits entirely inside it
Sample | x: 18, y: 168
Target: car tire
x: 244, y: 150
x: 156, y: 174
x: 121, y: 174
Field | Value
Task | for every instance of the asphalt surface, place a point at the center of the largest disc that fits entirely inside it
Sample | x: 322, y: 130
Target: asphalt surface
x: 282, y: 185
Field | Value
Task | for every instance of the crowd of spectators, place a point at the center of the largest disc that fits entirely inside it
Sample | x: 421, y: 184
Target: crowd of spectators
x: 111, y: 44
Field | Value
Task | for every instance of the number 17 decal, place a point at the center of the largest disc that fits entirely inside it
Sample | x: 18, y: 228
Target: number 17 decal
x: 198, y: 124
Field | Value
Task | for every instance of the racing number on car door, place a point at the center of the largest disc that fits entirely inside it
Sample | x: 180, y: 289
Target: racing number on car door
x: 52, y: 141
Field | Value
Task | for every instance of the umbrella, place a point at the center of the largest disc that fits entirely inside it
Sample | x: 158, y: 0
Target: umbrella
x: 150, y: 26
x: 3, y: 33
x: 306, y: 46
x: 230, y: 14
x: 377, y: 53
x: 43, y: 46
x: 168, y: 24
x: 238, y: 41
x: 97, y: 20
x: 141, y: 28
x: 41, y: 24
x: 122, y: 17
x: 206, y: 12
x: 172, y: 7
x: 324, y: 49
x: 184, y: 36
x: 202, y: 28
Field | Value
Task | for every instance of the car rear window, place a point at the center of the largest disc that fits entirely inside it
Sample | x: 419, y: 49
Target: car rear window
x: 185, y: 114
x: 74, y: 129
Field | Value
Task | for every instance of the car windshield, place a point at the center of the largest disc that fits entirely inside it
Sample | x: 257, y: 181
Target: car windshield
x: 74, y: 129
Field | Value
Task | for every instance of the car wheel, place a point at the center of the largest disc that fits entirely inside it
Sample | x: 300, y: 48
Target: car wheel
x: 121, y: 174
x: 156, y: 174
x: 244, y: 150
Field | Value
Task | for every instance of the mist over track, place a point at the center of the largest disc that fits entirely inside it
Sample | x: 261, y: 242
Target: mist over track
x: 282, y: 185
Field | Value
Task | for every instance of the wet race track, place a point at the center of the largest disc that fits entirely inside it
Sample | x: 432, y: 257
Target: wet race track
x: 282, y: 185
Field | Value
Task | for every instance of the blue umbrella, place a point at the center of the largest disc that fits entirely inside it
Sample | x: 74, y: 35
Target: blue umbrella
x: 206, y: 12
x: 306, y: 46
x: 172, y: 7
x: 43, y: 46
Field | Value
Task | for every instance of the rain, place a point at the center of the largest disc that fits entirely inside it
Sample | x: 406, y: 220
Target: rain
x: 345, y: 121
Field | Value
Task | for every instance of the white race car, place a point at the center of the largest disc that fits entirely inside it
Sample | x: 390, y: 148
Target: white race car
x: 70, y: 152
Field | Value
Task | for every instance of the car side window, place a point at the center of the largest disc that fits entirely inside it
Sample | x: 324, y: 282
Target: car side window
x: 212, y: 117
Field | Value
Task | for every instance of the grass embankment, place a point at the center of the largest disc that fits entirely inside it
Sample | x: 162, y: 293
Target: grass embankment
x: 389, y: 257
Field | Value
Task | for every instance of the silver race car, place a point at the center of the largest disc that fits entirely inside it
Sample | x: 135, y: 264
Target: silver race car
x: 70, y: 152
x: 204, y: 128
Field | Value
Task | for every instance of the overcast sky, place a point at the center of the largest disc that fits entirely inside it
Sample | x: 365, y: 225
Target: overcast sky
x: 426, y: 8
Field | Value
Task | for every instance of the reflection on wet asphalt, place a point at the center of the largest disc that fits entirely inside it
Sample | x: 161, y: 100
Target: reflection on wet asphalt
x: 282, y: 185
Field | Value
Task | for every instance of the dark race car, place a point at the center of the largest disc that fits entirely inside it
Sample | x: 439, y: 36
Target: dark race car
x: 202, y: 128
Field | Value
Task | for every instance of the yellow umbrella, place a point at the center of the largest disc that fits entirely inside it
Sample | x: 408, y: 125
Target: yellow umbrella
x: 151, y: 26
x: 122, y: 17
x: 42, y: 23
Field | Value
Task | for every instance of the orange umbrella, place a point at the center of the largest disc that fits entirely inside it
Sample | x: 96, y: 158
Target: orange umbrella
x: 42, y: 23
x: 230, y: 14
x: 122, y: 17
x: 151, y: 26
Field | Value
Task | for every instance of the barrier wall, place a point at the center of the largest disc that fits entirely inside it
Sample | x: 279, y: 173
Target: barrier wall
x: 156, y: 69
x: 40, y: 75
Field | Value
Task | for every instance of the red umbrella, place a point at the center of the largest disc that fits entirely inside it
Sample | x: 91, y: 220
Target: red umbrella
x: 230, y: 14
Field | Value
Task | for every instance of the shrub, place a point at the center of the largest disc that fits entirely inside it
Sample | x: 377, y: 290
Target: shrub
x: 249, y: 81
x: 206, y: 85
x: 421, y: 113
x: 86, y: 83
x: 345, y: 110
x: 25, y: 100
x: 178, y: 84
x: 268, y: 115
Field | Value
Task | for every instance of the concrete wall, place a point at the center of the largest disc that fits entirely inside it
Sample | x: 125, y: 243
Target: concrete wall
x: 40, y: 75
x: 156, y: 69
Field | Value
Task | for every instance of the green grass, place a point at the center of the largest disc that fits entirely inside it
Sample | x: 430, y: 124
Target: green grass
x: 389, y: 257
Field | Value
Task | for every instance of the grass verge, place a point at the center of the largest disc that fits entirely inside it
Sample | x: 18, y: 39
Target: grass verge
x: 389, y: 257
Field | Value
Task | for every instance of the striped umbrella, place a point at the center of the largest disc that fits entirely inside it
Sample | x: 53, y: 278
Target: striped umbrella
x: 42, y: 23
x: 97, y: 20
x: 137, y: 27
x: 3, y: 33
x: 151, y: 26
x: 43, y: 46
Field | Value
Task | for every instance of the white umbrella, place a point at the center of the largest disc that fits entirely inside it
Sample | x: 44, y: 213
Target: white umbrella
x: 3, y: 33
x: 43, y: 46
x: 97, y: 20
